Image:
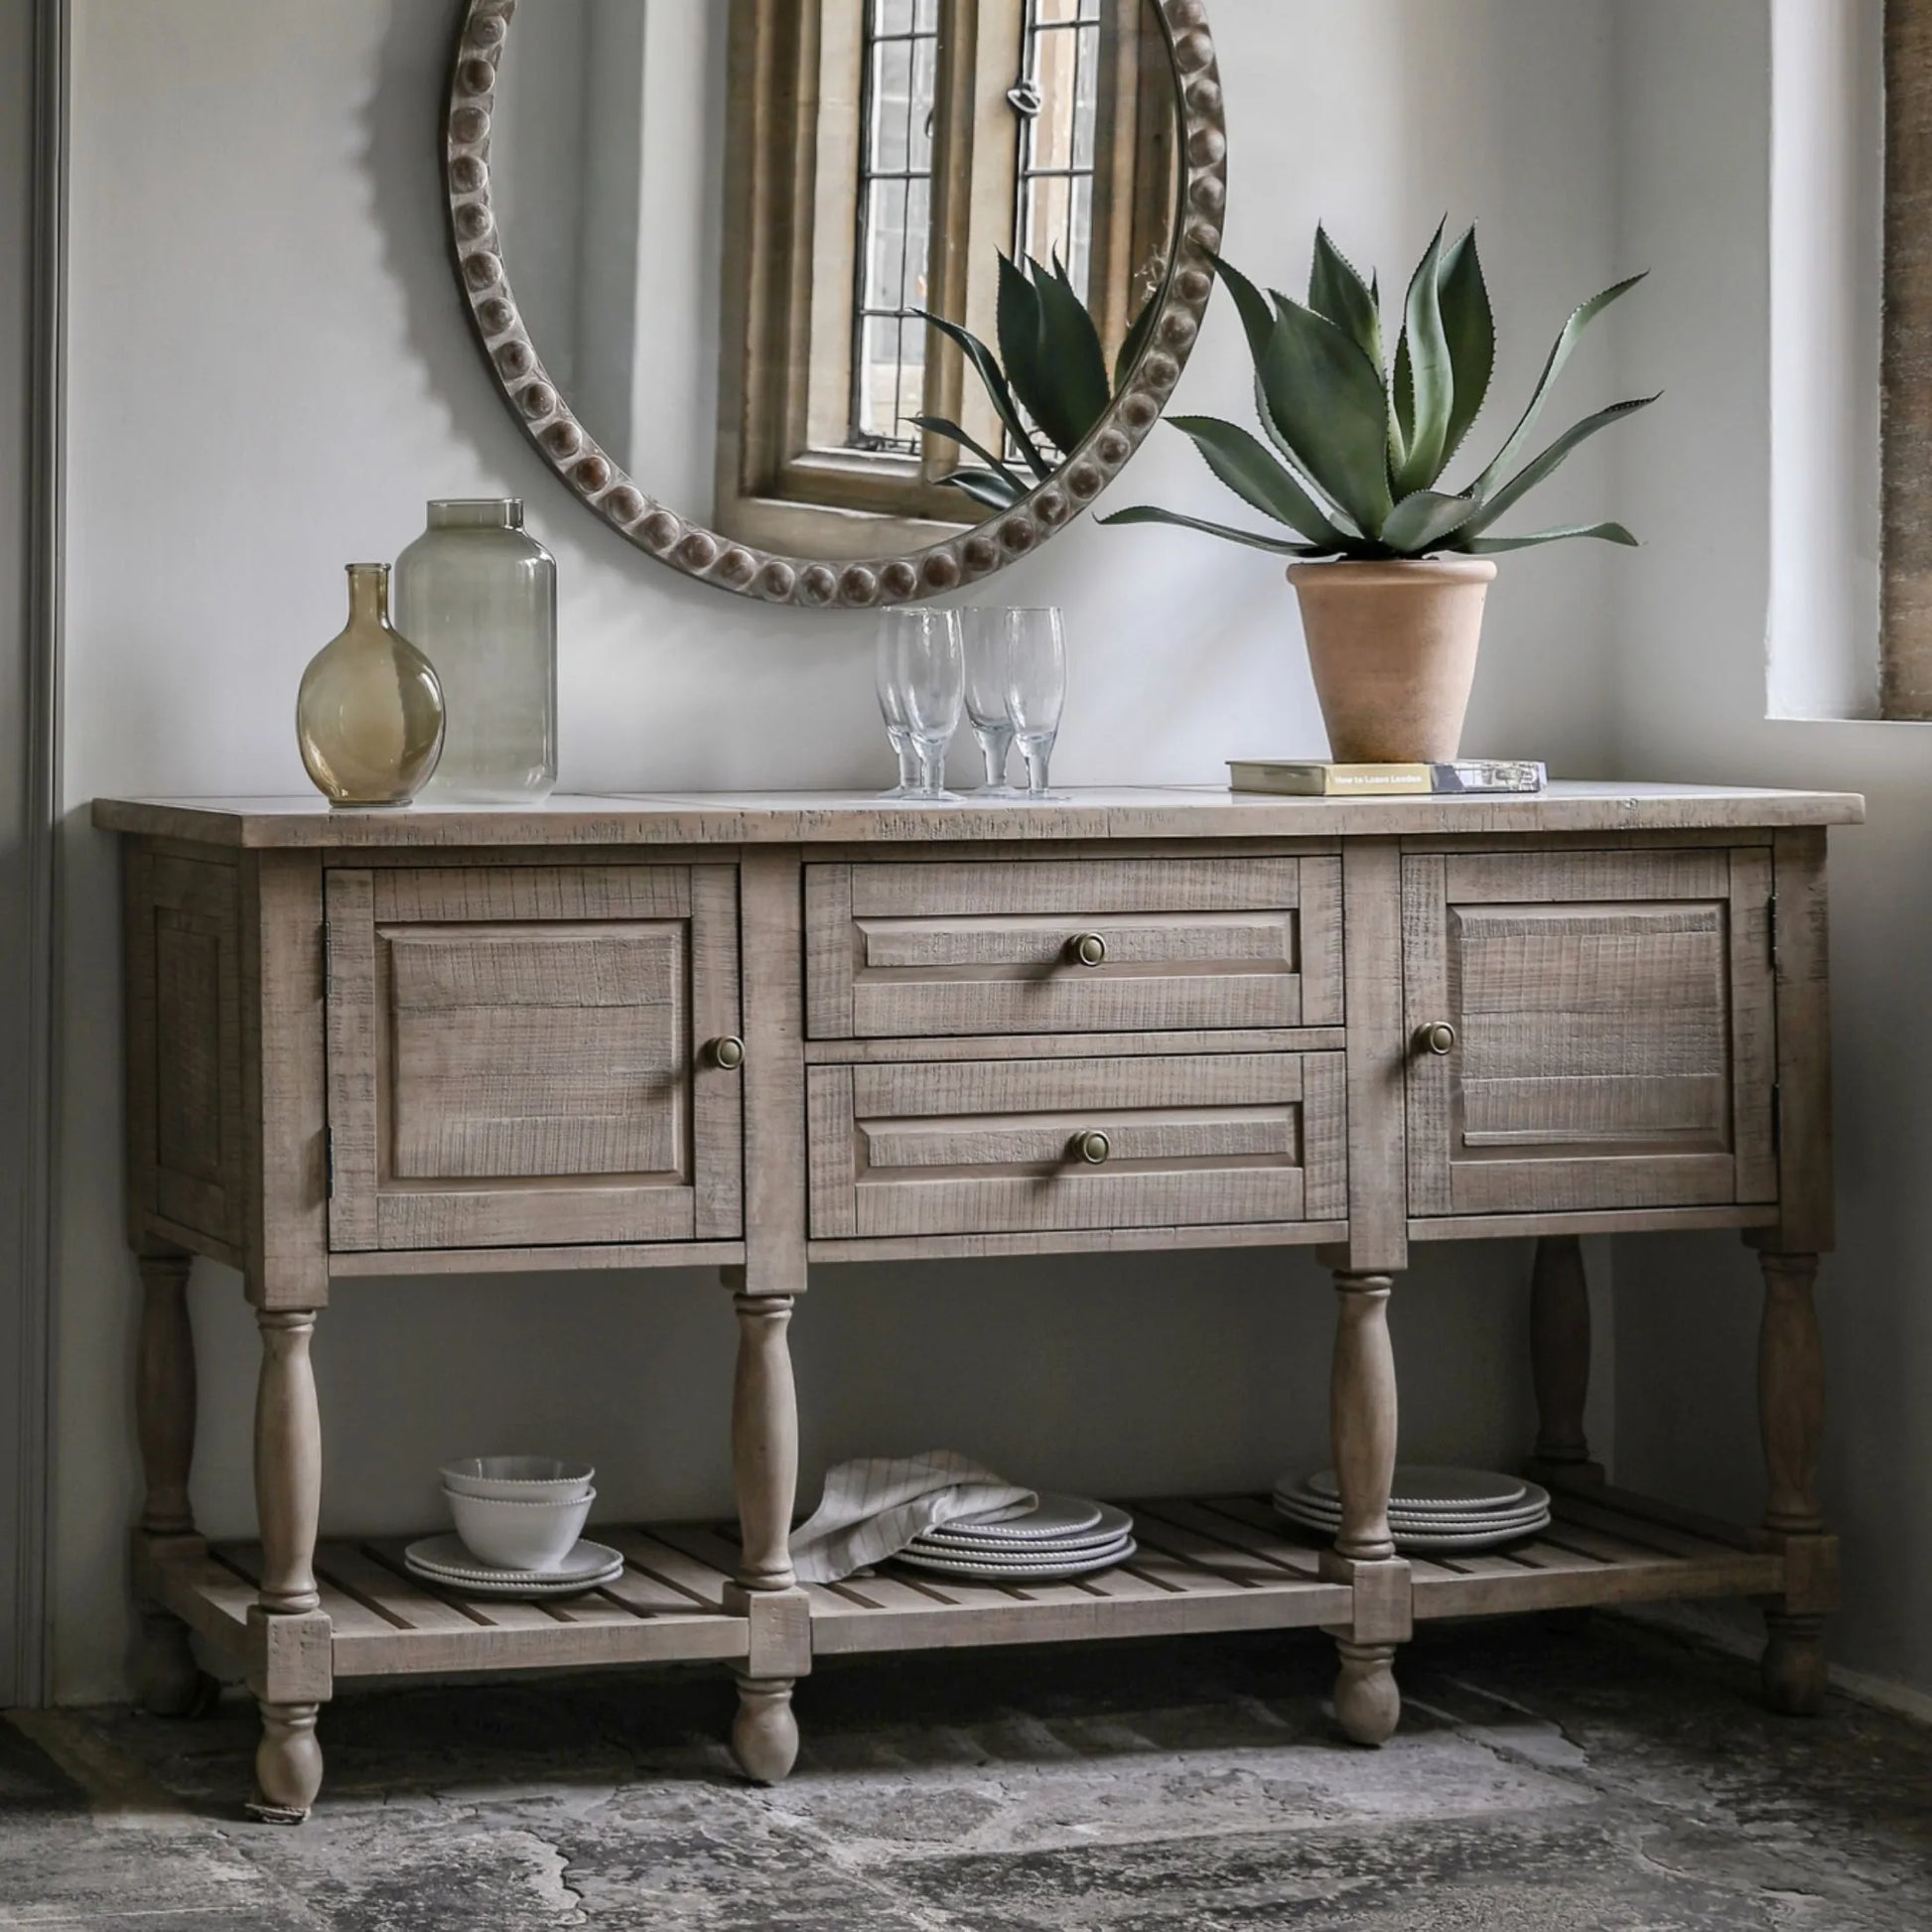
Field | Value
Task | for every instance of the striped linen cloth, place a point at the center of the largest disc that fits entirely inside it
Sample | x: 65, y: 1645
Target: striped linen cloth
x: 874, y: 1506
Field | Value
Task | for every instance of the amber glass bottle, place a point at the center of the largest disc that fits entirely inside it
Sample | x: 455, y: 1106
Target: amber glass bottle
x: 369, y: 713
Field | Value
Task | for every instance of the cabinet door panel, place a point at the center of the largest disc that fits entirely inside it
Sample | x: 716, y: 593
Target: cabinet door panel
x: 515, y: 1056
x: 1612, y: 1018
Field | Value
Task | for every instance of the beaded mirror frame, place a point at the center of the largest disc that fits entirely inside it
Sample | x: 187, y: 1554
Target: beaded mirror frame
x: 601, y: 485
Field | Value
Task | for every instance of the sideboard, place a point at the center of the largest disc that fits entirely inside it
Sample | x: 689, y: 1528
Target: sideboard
x: 751, y: 1032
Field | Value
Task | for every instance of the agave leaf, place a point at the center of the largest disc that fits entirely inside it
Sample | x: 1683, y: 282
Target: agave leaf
x: 1282, y: 546
x: 1567, y: 340
x: 1136, y: 338
x: 1256, y: 315
x: 1432, y: 376
x: 997, y: 492
x: 1336, y: 291
x: 1402, y: 407
x: 1240, y: 461
x: 1017, y: 314
x: 986, y: 365
x: 944, y: 426
x: 1327, y: 401
x: 1422, y: 519
x: 1335, y: 514
x: 1533, y: 473
x: 1073, y: 388
x: 1470, y: 327
x: 1494, y: 546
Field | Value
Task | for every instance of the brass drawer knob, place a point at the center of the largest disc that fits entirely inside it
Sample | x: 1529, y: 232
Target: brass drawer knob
x: 1089, y: 948
x: 1439, y: 1036
x: 728, y: 1053
x: 1093, y: 1146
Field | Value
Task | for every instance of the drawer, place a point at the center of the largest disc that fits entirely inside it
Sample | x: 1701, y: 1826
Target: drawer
x: 919, y: 950
x: 515, y: 1055
x: 1605, y: 1027
x: 981, y: 1147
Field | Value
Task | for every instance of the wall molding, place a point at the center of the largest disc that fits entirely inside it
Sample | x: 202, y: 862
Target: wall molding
x: 29, y: 1664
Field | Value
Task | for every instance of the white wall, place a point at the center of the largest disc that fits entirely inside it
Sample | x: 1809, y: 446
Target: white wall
x: 1689, y: 656
x: 271, y: 371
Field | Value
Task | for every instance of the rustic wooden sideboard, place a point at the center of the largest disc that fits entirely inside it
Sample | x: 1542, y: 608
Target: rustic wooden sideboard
x: 752, y: 1033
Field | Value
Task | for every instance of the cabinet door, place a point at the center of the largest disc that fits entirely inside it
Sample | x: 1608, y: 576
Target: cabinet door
x: 515, y: 1055
x: 1613, y: 1030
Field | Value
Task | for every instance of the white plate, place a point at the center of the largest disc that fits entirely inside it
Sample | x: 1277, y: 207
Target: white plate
x: 1111, y: 1526
x: 1039, y: 1560
x: 1496, y: 1519
x: 1470, y: 1540
x: 1018, y: 1573
x: 447, y: 1556
x: 463, y: 1586
x: 1428, y: 1488
x: 1410, y: 1526
x: 1053, y: 1517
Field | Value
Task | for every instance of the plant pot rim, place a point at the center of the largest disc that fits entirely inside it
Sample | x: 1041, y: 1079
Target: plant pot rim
x: 1390, y: 571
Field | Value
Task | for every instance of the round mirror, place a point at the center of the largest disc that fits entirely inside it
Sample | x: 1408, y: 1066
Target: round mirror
x: 836, y: 302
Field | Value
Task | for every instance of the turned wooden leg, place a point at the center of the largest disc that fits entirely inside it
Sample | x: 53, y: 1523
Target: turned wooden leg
x: 1362, y: 1425
x: 1559, y: 1358
x: 168, y: 1680
x: 1362, y: 1416
x: 288, y: 1504
x: 1791, y: 1416
x: 764, y: 1471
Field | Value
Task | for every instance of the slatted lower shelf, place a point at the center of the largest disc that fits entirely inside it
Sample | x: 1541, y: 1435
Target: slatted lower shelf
x: 1221, y: 1563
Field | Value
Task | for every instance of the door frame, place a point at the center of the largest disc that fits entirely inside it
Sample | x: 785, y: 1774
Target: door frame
x: 34, y: 35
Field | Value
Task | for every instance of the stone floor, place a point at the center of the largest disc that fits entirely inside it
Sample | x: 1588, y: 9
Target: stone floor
x: 1603, y: 1777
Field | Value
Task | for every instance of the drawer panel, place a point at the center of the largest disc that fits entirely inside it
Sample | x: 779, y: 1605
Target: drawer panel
x: 978, y: 1146
x: 928, y: 949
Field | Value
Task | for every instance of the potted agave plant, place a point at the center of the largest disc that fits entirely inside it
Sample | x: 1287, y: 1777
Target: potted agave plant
x: 1352, y: 468
x: 1048, y: 383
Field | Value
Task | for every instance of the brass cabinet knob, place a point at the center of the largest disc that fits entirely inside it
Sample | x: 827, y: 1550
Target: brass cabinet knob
x: 1093, y: 1146
x: 1439, y: 1036
x: 1089, y: 948
x: 728, y: 1053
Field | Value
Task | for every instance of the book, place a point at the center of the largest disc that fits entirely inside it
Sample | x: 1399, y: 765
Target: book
x: 1313, y: 779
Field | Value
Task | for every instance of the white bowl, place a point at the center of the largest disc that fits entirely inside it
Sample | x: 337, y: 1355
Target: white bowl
x: 518, y: 1478
x: 518, y: 1535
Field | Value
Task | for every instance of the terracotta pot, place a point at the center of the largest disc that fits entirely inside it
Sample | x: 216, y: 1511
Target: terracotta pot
x: 1393, y: 649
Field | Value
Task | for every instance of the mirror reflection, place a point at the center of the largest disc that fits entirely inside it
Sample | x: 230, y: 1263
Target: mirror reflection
x: 836, y: 277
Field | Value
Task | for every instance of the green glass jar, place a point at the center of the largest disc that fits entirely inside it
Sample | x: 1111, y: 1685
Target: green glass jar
x: 369, y: 713
x: 479, y: 594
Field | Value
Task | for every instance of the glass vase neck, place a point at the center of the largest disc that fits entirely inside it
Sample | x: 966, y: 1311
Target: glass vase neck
x: 475, y: 513
x: 368, y: 592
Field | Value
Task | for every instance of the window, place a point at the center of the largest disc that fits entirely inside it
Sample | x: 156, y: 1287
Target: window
x: 885, y: 154
x: 1905, y: 672
x: 899, y: 55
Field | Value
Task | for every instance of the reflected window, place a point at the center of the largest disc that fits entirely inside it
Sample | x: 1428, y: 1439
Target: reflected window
x: 1057, y: 95
x: 900, y: 67
x: 883, y: 156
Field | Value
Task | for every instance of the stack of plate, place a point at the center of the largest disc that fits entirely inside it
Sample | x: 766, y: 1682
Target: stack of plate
x: 1061, y: 1536
x: 444, y: 1562
x: 1429, y: 1508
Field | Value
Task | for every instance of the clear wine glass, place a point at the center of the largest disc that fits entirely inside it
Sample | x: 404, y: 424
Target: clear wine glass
x: 1035, y: 688
x: 984, y: 630
x: 923, y: 663
x: 892, y: 708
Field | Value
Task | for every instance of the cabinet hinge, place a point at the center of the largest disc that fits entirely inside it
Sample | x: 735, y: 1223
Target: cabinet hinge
x: 329, y: 1163
x: 328, y: 970
x: 1771, y: 928
x: 1777, y: 1119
